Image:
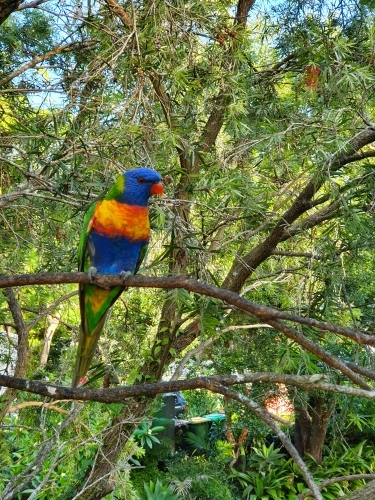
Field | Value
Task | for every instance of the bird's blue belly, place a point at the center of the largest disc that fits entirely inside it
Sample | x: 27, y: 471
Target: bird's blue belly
x: 113, y: 255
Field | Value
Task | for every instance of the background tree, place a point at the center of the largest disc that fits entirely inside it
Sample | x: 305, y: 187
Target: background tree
x: 260, y: 120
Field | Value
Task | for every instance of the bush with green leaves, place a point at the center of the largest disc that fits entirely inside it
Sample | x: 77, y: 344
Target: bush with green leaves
x: 196, y: 477
x: 202, y: 402
x: 270, y: 475
x: 157, y: 491
x: 145, y: 434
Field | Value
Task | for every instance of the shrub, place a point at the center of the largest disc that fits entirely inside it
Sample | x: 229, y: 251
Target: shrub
x: 197, y: 477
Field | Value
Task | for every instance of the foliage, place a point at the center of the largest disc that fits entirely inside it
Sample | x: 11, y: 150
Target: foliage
x: 148, y: 471
x: 198, y: 477
x: 157, y: 491
x: 23, y: 438
x: 201, y: 402
x: 146, y: 434
x: 271, y: 475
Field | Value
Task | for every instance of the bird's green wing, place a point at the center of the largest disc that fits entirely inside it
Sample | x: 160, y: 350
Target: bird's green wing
x: 141, y: 257
x: 83, y: 240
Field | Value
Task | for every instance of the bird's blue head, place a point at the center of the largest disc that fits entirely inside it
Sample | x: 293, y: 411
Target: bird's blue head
x: 135, y: 186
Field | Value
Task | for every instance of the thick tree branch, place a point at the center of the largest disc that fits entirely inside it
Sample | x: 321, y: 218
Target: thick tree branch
x: 264, y: 313
x: 22, y: 346
x: 313, y: 220
x: 360, y: 156
x: 31, y: 5
x: 242, y: 11
x: 7, y: 7
x: 120, y: 13
x: 120, y: 394
x: 365, y: 493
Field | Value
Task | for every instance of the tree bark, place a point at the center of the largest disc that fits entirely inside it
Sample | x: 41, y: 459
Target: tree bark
x: 53, y: 323
x: 7, y: 7
x: 22, y: 348
x: 311, y: 424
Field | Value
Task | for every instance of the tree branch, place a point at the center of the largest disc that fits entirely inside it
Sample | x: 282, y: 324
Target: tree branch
x: 57, y: 50
x: 22, y: 346
x: 120, y: 13
x: 31, y: 5
x: 266, y: 417
x: 334, y: 480
x: 120, y: 394
x: 38, y: 404
x: 264, y: 313
x: 244, y: 266
x: 7, y: 7
x: 50, y: 308
x: 321, y: 353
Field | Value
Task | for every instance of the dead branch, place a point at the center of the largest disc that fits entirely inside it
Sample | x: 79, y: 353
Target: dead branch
x: 38, y: 404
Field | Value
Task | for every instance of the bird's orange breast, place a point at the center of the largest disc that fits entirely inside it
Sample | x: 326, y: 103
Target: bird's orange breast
x: 115, y: 219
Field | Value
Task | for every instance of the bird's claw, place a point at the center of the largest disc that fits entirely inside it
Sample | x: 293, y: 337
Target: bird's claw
x: 125, y: 274
x: 92, y: 272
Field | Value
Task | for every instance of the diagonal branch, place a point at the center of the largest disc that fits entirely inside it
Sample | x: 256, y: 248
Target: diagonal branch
x: 334, y: 480
x: 120, y: 13
x: 36, y: 60
x: 31, y: 5
x: 313, y: 220
x: 164, y: 99
x: 244, y: 266
x: 50, y: 308
x: 319, y: 352
x: 266, y: 417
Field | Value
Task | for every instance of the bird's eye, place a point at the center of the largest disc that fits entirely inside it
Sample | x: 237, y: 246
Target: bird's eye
x: 140, y: 180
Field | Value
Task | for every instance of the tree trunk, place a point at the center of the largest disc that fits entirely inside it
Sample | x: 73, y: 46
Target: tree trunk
x: 99, y: 481
x: 22, y: 348
x: 53, y: 323
x: 311, y: 425
x: 7, y: 7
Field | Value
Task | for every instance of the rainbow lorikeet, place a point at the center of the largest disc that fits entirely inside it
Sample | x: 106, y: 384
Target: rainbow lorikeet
x: 114, y: 239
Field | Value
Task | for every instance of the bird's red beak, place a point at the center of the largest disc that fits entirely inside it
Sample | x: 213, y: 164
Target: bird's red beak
x: 157, y: 189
